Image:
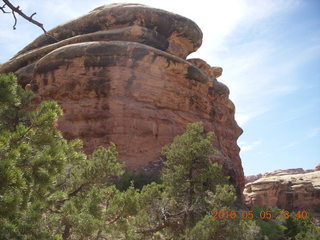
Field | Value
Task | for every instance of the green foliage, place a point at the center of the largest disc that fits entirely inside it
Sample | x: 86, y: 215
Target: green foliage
x: 13, y: 99
x: 32, y: 154
x: 300, y: 229
x: 192, y: 187
x: 190, y: 177
x: 311, y: 233
x: 49, y: 188
x: 142, y: 178
x: 250, y: 230
x: 124, y: 181
x: 278, y: 227
x: 139, y: 179
x: 270, y: 228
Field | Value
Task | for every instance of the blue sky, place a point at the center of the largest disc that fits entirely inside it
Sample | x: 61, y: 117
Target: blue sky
x: 270, y: 53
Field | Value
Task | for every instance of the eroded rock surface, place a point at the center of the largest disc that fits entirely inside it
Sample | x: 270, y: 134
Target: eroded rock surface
x: 285, y: 189
x: 120, y: 74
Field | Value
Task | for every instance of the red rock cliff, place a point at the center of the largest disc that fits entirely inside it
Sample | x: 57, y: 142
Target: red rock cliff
x: 120, y: 74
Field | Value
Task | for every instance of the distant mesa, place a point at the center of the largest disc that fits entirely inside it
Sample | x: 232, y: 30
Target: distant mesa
x: 288, y: 189
x: 121, y: 75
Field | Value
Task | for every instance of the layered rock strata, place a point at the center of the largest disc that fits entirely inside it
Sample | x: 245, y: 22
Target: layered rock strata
x: 285, y: 189
x: 279, y: 172
x: 120, y: 74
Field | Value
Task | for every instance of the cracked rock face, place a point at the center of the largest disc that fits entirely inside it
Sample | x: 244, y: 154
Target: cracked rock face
x: 285, y: 189
x: 120, y: 74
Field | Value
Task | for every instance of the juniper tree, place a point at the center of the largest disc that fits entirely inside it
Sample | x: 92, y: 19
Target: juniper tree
x: 193, y: 186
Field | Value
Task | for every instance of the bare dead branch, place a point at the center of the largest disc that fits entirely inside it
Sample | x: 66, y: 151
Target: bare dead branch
x: 2, y: 8
x: 154, y: 229
x: 75, y: 192
x: 17, y: 10
x: 15, y: 20
x: 115, y: 219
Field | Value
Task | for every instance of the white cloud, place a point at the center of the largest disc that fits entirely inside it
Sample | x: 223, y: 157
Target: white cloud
x: 246, y: 146
x: 291, y: 144
x: 259, y: 73
x: 313, y: 133
x: 310, y: 134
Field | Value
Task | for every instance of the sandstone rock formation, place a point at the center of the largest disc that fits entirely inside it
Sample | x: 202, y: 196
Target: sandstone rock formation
x: 252, y: 178
x: 120, y: 74
x: 285, y: 189
x: 280, y: 172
